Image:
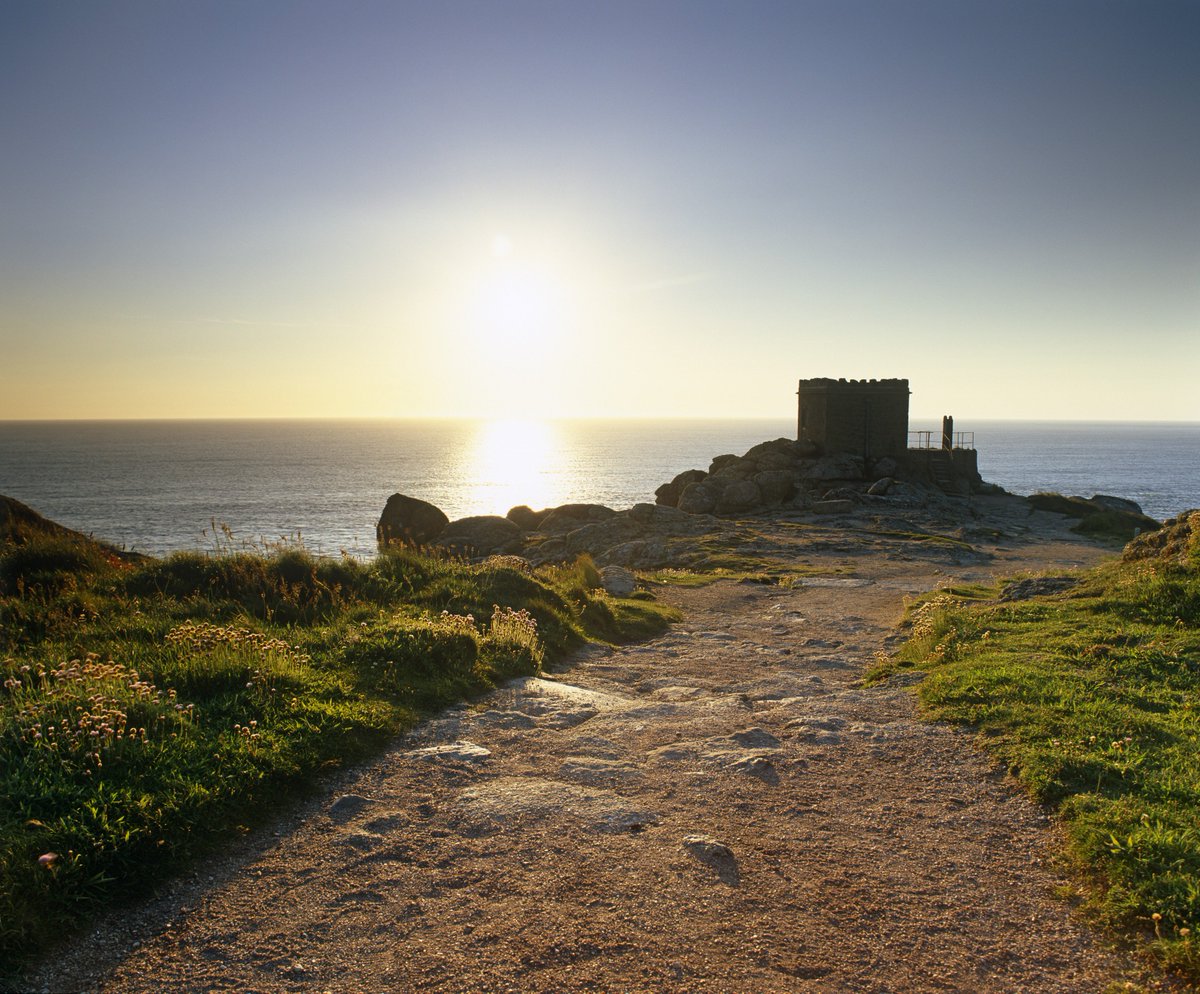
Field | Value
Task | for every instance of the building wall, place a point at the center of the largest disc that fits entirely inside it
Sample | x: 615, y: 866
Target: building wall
x: 865, y: 417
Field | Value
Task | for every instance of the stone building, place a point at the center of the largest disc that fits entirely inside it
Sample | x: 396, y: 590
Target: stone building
x: 866, y: 417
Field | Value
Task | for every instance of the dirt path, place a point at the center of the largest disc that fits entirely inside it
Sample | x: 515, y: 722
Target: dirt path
x: 722, y: 809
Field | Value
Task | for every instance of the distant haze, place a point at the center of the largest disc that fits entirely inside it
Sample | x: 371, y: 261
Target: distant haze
x: 515, y: 209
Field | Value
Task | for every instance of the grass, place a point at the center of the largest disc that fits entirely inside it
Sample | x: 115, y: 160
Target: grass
x: 1091, y: 698
x: 149, y: 710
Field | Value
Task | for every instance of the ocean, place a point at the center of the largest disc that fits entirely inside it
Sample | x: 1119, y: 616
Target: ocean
x: 162, y: 486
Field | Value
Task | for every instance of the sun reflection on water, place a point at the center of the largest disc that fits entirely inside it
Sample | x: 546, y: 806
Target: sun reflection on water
x: 515, y: 461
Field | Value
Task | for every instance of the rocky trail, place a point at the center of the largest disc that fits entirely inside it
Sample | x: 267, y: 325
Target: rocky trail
x: 725, y: 808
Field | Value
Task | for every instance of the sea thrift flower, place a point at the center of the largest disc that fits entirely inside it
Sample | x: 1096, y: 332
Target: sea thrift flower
x: 47, y: 859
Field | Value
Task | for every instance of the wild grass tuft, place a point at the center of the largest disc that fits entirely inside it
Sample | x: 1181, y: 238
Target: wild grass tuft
x: 1092, y: 699
x: 147, y: 711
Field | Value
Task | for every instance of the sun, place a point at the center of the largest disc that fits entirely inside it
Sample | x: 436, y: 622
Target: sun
x: 516, y: 307
x: 517, y: 301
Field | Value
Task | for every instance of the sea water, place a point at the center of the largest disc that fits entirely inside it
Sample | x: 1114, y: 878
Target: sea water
x: 161, y: 486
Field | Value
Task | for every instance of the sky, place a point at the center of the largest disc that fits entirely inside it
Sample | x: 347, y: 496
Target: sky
x: 598, y: 209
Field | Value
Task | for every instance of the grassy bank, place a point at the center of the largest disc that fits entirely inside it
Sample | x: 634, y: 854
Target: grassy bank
x: 149, y: 710
x: 1091, y: 696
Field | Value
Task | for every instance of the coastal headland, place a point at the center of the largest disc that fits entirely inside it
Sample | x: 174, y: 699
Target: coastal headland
x: 726, y: 806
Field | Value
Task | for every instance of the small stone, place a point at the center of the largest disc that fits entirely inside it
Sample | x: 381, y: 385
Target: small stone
x: 348, y: 805
x: 706, y: 847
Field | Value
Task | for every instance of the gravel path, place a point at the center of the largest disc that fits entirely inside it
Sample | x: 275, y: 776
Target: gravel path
x: 722, y: 809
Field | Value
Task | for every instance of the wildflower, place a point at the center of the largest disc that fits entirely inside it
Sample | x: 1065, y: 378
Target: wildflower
x: 1185, y: 931
x: 47, y: 859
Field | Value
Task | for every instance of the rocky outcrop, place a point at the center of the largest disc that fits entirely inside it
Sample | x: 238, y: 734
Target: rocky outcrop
x: 780, y: 473
x: 409, y: 521
x: 1100, y: 516
x: 1177, y: 542
x: 481, y: 535
x: 643, y: 537
x: 20, y: 524
x: 571, y: 516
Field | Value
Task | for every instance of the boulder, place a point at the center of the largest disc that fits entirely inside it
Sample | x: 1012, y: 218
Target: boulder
x: 639, y: 554
x: 720, y: 462
x: 780, y: 453
x: 602, y: 535
x: 1117, y: 504
x: 884, y: 467
x: 409, y: 521
x: 841, y: 466
x: 525, y: 517
x: 571, y: 516
x: 481, y: 535
x: 776, y: 485
x: 740, y: 496
x: 880, y: 487
x: 697, y: 498
x: 738, y: 469
x: 668, y: 493
x: 618, y: 581
x: 806, y: 448
x: 553, y: 550
x: 668, y: 520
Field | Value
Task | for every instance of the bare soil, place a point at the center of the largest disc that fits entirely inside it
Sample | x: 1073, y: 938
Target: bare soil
x: 725, y: 808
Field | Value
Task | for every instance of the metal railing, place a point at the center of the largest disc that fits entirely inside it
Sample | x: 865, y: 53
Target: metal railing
x: 933, y: 440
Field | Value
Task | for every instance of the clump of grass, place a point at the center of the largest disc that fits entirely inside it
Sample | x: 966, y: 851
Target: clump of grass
x: 1092, y: 699
x: 149, y: 710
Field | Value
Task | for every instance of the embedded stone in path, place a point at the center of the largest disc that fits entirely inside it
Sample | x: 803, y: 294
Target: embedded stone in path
x: 594, y: 770
x: 716, y: 855
x: 461, y: 751
x: 349, y: 805
x: 540, y: 687
x: 497, y: 801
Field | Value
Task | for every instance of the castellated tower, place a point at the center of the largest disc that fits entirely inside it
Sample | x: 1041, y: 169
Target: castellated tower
x: 866, y: 417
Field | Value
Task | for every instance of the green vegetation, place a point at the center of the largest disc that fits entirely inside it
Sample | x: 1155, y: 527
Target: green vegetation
x: 1091, y: 696
x: 150, y: 709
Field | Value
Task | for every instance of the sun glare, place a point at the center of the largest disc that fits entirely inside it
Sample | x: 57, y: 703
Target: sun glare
x: 514, y: 462
x: 517, y: 305
x: 515, y: 320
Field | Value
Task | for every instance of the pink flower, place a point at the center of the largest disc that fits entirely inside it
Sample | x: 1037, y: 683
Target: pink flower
x: 47, y: 859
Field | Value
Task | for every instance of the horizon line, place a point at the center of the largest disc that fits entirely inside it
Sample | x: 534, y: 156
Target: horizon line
x: 564, y: 417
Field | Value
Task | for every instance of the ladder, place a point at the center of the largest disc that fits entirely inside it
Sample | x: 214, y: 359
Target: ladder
x: 941, y: 469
